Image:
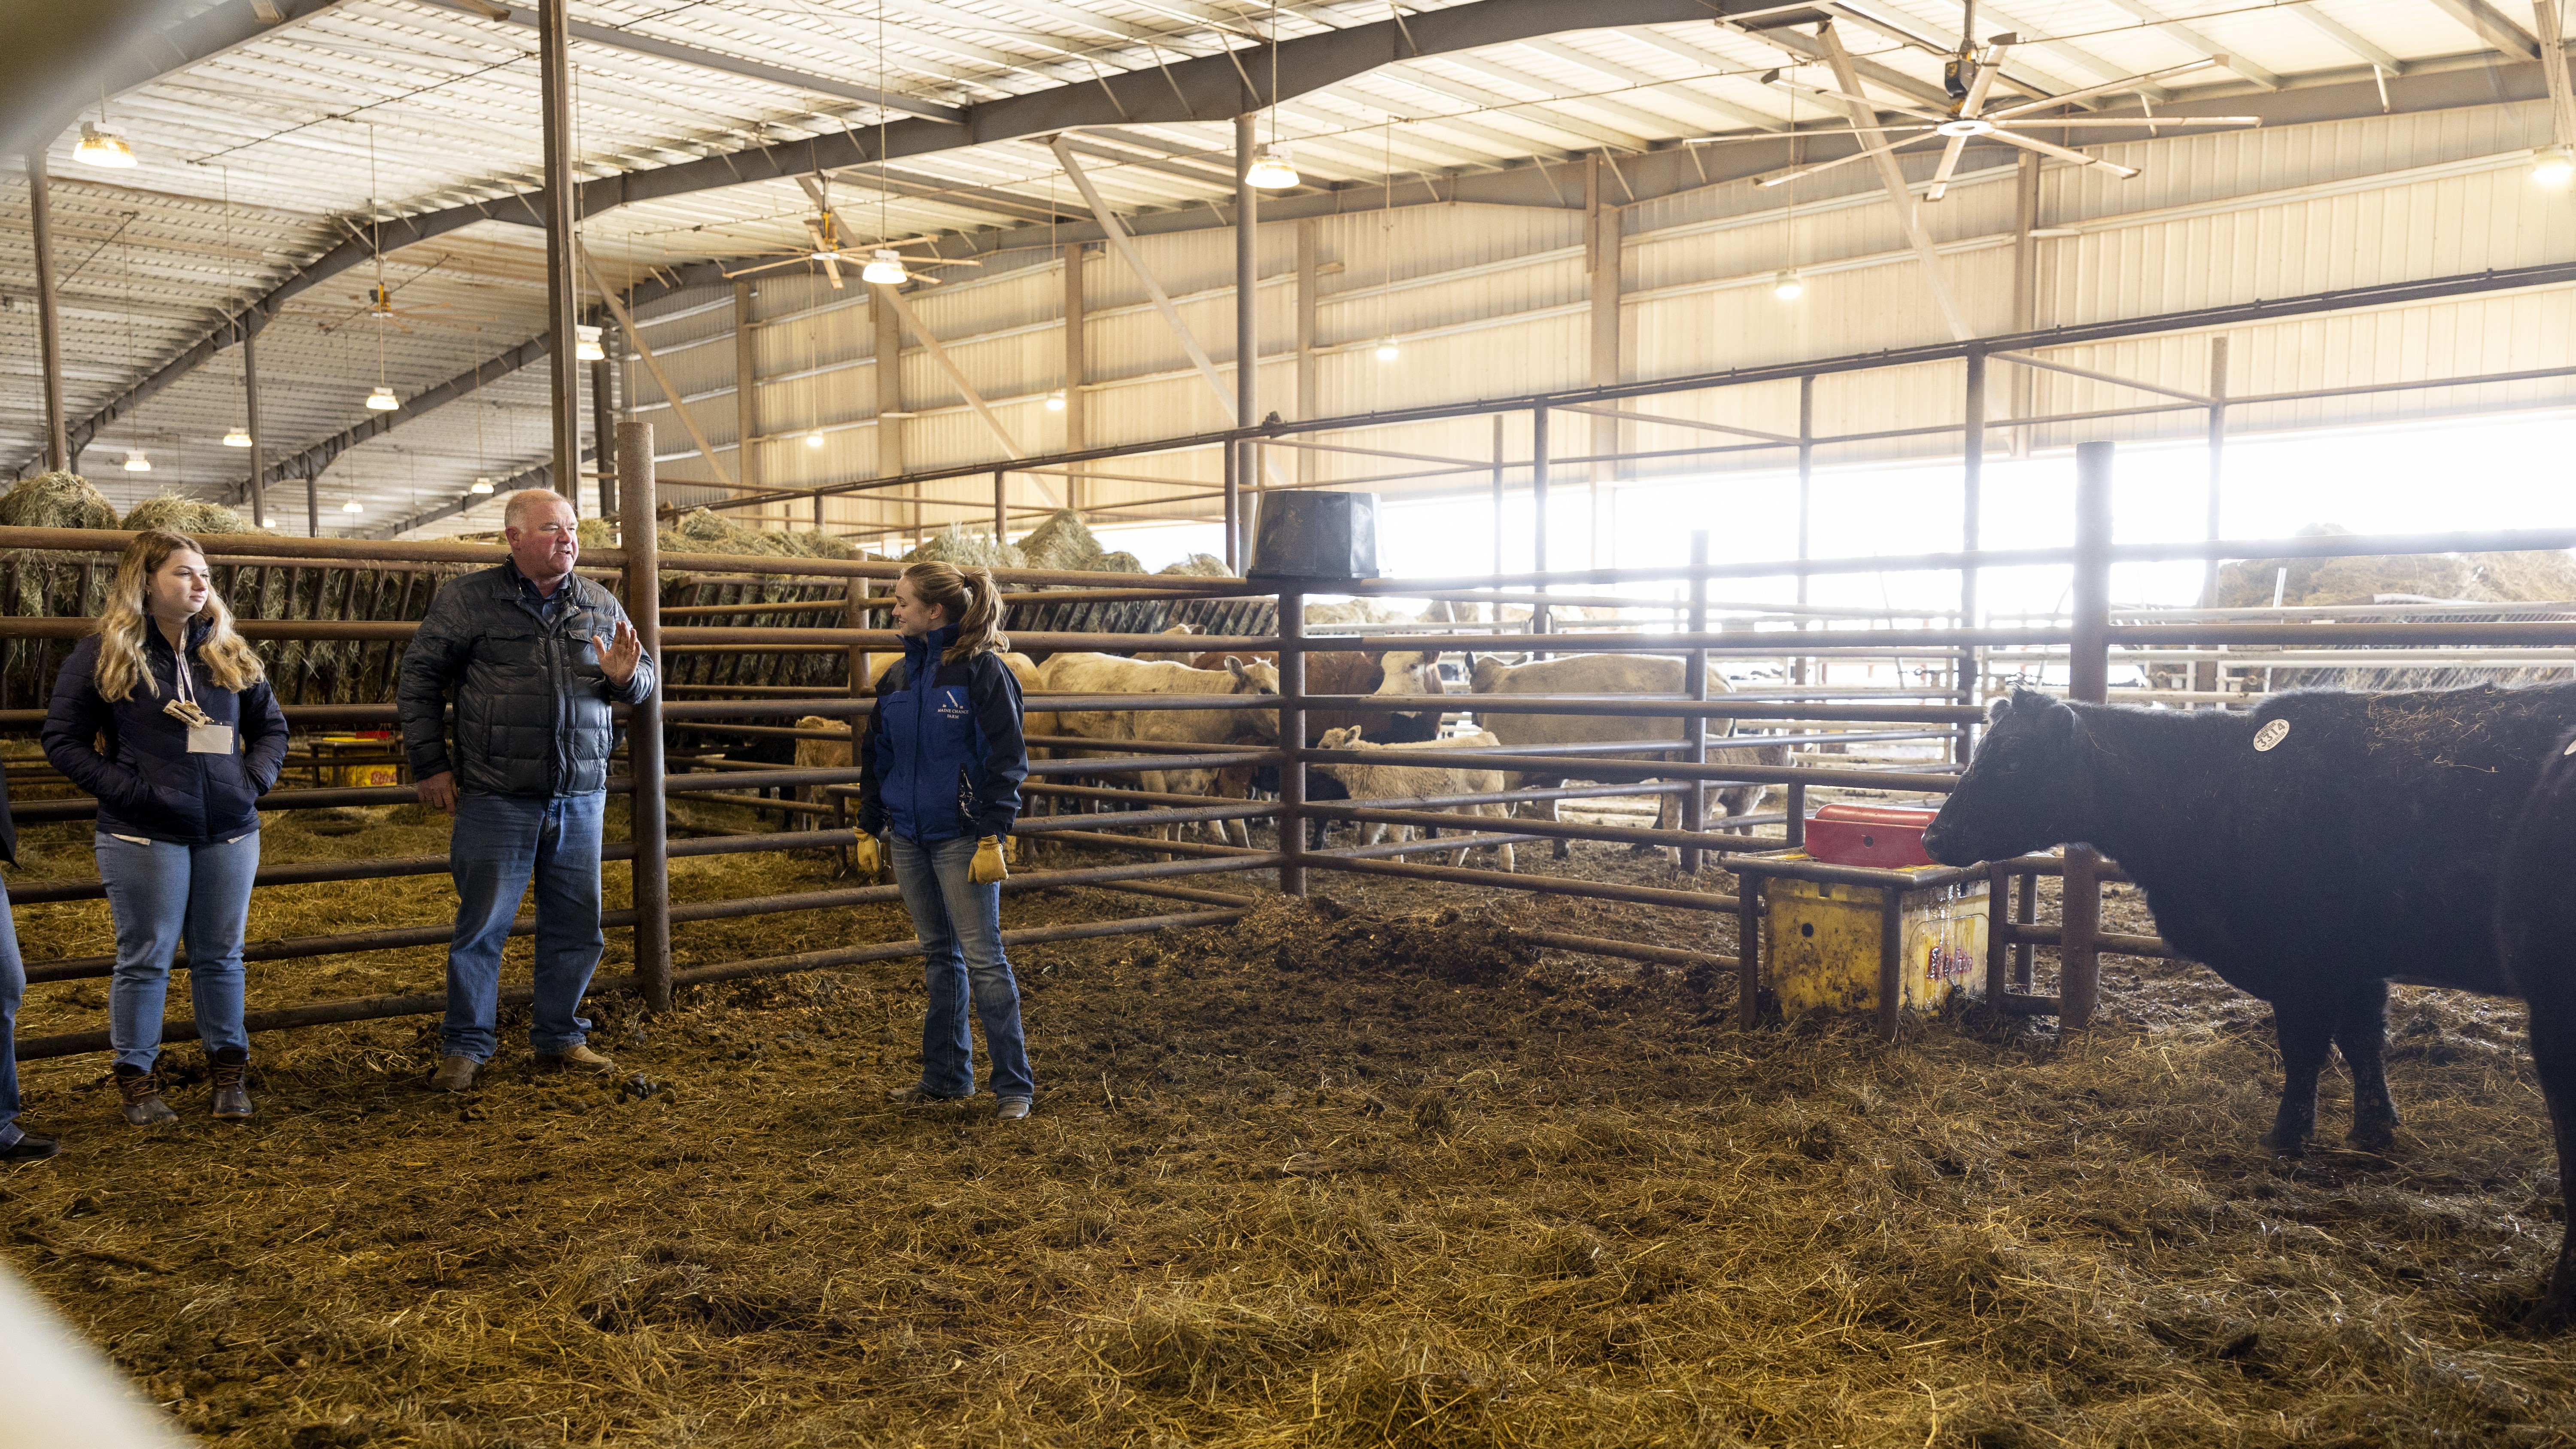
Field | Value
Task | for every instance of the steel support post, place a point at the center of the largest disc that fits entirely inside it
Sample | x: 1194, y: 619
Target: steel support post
x: 1695, y: 684
x: 1077, y: 369
x: 746, y: 388
x: 603, y: 433
x: 652, y: 868
x: 2088, y: 676
x: 1999, y: 879
x: 1247, y: 332
x: 2217, y: 460
x: 1538, y: 518
x: 1972, y: 502
x: 1794, y: 812
x: 258, y: 434
x: 856, y: 614
x: 1806, y: 498
x: 1498, y: 508
x: 1232, y: 462
x: 49, y: 326
x: 563, y: 283
x: 1001, y: 508
x: 313, y: 502
x: 1292, y: 744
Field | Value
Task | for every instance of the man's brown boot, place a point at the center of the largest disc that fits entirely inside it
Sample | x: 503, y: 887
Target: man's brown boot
x: 232, y: 1098
x: 142, y: 1093
x: 577, y: 1059
x: 455, y: 1074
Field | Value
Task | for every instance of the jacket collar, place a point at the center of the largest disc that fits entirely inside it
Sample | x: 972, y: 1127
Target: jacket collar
x: 524, y: 587
x: 199, y: 626
x: 926, y: 649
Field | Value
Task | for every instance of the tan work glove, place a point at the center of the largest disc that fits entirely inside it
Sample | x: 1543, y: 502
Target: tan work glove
x: 987, y: 868
x: 864, y: 857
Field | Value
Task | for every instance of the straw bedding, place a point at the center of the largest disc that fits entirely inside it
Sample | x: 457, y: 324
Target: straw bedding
x: 1366, y: 1171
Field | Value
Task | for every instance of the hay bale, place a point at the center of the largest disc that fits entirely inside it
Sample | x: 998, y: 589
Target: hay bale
x: 967, y: 550
x: 1199, y: 566
x: 180, y: 514
x: 56, y: 500
x: 1120, y: 562
x: 1356, y: 611
x: 597, y: 533
x: 2485, y: 577
x: 1062, y: 542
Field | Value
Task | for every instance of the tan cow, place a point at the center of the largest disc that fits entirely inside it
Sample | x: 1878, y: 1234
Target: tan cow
x: 1394, y: 780
x: 1605, y: 674
x: 1111, y: 674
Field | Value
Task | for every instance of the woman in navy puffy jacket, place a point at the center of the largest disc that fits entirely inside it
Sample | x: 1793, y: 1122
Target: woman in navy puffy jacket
x: 166, y: 716
x: 940, y: 765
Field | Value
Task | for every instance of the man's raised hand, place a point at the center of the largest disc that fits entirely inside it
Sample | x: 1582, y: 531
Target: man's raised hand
x: 619, y: 656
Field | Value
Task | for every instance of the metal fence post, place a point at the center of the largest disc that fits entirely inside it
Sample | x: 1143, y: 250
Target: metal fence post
x: 1538, y: 520
x: 1972, y: 459
x: 2088, y: 677
x: 1695, y: 684
x: 652, y: 867
x: 1292, y: 743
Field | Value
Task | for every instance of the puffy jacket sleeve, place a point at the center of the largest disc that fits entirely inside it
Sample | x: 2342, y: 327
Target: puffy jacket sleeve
x: 872, y: 811
x: 996, y: 697
x: 78, y: 717
x: 438, y: 654
x: 263, y: 728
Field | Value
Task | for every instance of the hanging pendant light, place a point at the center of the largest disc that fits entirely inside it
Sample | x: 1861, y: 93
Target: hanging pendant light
x: 103, y: 145
x: 884, y: 269
x: 136, y: 461
x: 814, y: 438
x: 2553, y: 165
x: 1055, y: 401
x: 353, y: 506
x: 1387, y: 351
x: 586, y: 344
x: 237, y: 438
x: 482, y: 488
x: 382, y: 400
x: 1788, y: 286
x: 1271, y: 170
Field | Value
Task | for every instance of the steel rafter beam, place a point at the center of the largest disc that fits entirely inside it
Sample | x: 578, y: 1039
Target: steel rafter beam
x: 1865, y: 125
x: 73, y: 82
x: 1205, y: 89
x: 2492, y: 26
x: 540, y: 476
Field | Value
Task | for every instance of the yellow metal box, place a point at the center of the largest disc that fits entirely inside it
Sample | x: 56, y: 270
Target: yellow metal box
x: 1825, y: 943
x: 333, y: 753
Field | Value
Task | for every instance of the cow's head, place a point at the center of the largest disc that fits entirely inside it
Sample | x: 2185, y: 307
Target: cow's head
x: 1345, y: 738
x: 1486, y: 673
x: 1410, y: 671
x: 1258, y: 677
x: 2023, y: 790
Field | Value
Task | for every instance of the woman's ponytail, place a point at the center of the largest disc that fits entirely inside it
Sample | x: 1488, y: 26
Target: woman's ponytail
x: 969, y: 597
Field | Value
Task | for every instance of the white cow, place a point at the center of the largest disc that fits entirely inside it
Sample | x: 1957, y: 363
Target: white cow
x: 1392, y: 780
x: 1111, y: 674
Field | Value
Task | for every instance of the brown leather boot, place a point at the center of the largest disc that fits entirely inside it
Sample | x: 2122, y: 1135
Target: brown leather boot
x: 232, y: 1098
x: 142, y: 1093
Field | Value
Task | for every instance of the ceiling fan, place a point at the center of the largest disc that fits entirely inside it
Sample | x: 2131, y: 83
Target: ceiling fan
x: 829, y: 251
x: 1970, y: 76
x: 379, y: 300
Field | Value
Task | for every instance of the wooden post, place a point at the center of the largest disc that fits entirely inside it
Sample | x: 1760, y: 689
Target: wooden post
x: 1292, y: 740
x: 49, y: 327
x: 2088, y: 674
x: 1695, y: 684
x: 652, y: 868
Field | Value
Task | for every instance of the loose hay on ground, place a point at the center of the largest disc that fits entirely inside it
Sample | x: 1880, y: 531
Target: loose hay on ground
x: 1296, y: 1182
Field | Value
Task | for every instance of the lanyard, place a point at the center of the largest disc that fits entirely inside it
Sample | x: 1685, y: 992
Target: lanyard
x: 183, y: 678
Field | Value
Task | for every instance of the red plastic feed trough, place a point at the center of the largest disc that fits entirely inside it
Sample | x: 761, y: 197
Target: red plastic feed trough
x: 1888, y: 836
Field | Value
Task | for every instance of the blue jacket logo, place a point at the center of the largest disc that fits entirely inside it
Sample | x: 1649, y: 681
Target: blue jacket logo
x: 952, y: 703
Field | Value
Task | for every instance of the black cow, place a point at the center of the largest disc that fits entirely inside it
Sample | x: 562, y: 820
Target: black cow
x: 2536, y: 927
x: 2310, y: 852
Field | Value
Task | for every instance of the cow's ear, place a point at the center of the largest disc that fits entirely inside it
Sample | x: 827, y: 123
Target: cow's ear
x: 1996, y: 711
x: 1234, y: 666
x: 2057, y: 725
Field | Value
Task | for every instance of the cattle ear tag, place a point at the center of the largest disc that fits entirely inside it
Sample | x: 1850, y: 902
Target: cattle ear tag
x: 2571, y: 748
x: 2271, y: 734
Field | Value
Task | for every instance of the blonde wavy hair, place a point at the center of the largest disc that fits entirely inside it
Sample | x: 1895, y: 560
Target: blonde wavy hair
x: 121, y: 624
x: 974, y: 605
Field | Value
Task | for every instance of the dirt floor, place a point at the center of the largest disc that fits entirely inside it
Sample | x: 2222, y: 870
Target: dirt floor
x: 1361, y: 1171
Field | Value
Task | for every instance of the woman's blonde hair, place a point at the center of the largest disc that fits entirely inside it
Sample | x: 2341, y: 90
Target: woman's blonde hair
x: 972, y: 603
x: 121, y: 624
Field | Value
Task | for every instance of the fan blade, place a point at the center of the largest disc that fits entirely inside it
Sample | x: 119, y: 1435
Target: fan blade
x: 2136, y: 123
x: 1785, y: 177
x: 2129, y: 83
x: 2061, y: 153
x: 1949, y: 163
x: 1987, y: 69
x: 831, y: 268
x: 1773, y: 78
x: 816, y: 233
x: 768, y: 266
x: 944, y: 261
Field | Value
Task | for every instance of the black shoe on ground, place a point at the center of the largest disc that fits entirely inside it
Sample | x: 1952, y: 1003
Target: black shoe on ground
x: 30, y: 1148
x: 916, y: 1093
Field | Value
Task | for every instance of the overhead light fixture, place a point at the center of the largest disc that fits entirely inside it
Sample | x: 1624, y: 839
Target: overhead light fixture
x: 2553, y: 165
x: 884, y: 269
x: 1271, y: 170
x: 1055, y: 401
x: 382, y: 400
x: 1387, y: 350
x: 103, y: 145
x: 1788, y: 286
x: 353, y: 506
x: 482, y: 487
x: 814, y: 438
x: 586, y: 344
x: 237, y: 438
x: 1964, y: 126
x: 136, y: 461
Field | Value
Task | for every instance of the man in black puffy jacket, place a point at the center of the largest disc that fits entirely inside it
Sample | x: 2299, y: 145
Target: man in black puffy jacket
x: 532, y: 655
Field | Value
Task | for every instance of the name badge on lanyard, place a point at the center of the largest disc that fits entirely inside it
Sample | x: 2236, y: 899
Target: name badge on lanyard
x: 205, y: 737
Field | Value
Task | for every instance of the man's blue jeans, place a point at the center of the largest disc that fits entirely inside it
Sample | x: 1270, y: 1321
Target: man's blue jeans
x: 959, y: 924
x: 13, y: 989
x: 163, y: 894
x: 499, y: 843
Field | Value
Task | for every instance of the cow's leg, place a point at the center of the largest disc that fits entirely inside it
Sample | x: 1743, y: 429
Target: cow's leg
x: 2361, y: 1031
x: 2536, y: 931
x: 2553, y: 1055
x: 2305, y: 1027
x: 1563, y: 849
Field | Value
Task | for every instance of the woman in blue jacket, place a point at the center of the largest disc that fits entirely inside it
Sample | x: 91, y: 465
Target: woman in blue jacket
x: 940, y: 765
x: 166, y: 716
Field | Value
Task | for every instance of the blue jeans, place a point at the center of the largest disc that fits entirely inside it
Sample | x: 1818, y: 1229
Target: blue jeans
x: 959, y: 924
x: 499, y: 842
x: 13, y: 989
x: 163, y: 894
